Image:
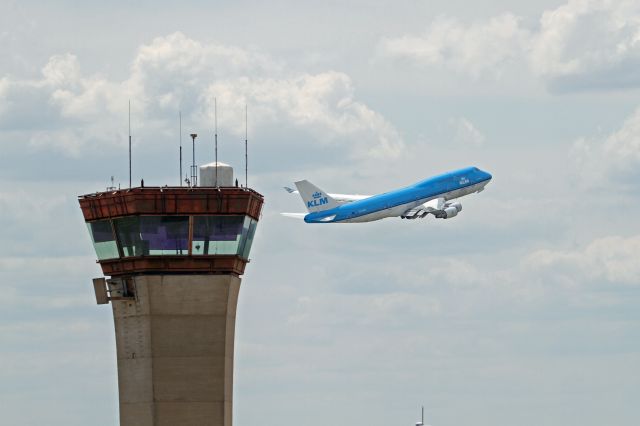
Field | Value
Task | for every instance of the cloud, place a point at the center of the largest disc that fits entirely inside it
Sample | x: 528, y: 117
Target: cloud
x: 68, y: 110
x: 614, y: 159
x: 28, y: 210
x: 322, y: 103
x: 613, y: 260
x: 470, y: 49
x: 589, y: 44
x: 581, y: 45
x: 428, y: 287
x: 464, y: 132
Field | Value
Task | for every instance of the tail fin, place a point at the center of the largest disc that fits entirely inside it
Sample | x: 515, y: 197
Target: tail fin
x: 315, y: 199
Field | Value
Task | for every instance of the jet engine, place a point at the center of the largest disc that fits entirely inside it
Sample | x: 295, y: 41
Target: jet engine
x: 447, y: 213
x: 457, y: 205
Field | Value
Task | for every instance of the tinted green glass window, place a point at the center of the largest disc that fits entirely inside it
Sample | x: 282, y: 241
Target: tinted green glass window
x: 103, y: 239
x: 248, y: 237
x: 153, y: 235
x: 217, y: 234
x: 223, y: 235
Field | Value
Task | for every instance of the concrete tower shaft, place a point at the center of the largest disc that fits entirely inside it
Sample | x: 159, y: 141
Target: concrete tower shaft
x: 174, y: 257
x: 175, y: 346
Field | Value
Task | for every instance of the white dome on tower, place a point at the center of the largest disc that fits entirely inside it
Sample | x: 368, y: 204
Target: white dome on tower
x: 224, y: 174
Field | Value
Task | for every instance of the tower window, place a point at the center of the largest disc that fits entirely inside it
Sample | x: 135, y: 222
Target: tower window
x: 103, y: 239
x: 153, y: 235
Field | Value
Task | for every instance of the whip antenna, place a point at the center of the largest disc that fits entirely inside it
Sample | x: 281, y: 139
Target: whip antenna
x: 246, y: 149
x: 215, y: 119
x: 129, y: 143
x: 180, y: 119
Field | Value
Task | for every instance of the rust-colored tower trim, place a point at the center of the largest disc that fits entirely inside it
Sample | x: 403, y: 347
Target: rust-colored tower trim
x: 170, y: 201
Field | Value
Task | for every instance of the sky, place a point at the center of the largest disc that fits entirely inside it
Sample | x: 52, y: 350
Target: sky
x: 524, y: 309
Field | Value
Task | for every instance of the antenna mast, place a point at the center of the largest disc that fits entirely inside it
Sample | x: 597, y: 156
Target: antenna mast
x: 180, y: 117
x: 129, y: 143
x: 215, y: 118
x: 246, y: 150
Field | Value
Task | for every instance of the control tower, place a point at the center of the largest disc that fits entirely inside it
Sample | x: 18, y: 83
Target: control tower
x: 172, y: 258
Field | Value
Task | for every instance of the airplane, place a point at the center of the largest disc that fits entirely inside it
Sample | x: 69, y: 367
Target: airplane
x: 429, y: 196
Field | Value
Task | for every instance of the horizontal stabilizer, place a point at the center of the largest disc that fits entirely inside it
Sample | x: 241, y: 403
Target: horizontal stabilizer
x: 295, y: 215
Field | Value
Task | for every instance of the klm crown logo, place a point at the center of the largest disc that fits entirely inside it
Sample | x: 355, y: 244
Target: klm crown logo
x: 318, y: 200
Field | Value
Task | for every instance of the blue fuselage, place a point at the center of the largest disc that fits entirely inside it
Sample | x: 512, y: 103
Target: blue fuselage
x: 389, y: 204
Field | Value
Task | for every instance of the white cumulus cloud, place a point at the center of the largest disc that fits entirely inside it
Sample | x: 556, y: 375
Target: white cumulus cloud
x: 464, y: 132
x: 471, y: 49
x: 611, y: 259
x: 615, y: 158
x: 589, y: 44
x: 580, y: 45
x: 67, y: 109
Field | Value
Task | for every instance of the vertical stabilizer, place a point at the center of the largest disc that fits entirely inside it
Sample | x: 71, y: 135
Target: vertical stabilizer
x: 314, y: 198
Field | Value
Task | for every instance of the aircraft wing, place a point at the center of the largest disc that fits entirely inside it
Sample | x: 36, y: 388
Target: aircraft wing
x: 437, y: 207
x: 422, y: 210
x: 341, y: 198
x: 302, y: 215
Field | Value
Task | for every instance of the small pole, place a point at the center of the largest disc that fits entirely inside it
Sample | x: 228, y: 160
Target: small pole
x: 246, y: 149
x: 215, y: 118
x: 421, y: 422
x: 180, y: 175
x: 194, y: 174
x: 129, y: 143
